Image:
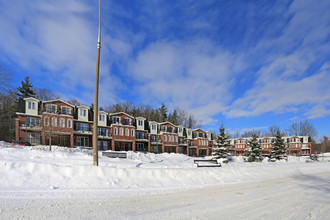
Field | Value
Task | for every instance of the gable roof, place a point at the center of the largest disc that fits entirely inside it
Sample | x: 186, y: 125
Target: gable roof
x: 58, y: 100
x: 167, y: 122
x: 120, y: 113
x: 31, y: 98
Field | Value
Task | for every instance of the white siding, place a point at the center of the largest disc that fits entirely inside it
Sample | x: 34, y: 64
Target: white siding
x: 31, y: 107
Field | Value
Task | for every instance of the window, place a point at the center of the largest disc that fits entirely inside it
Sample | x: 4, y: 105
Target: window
x: 101, y: 117
x: 172, y: 138
x: 189, y: 133
x: 62, y: 122
x: 83, y: 112
x: 46, y: 121
x: 82, y: 141
x: 32, y: 122
x: 66, y: 110
x: 82, y: 127
x: 29, y: 105
x: 69, y: 123
x: 165, y: 138
x: 126, y: 132
x: 132, y: 133
x: 176, y: 139
x: 180, y: 130
x: 51, y: 108
x: 116, y: 131
x: 139, y: 135
x: 33, y: 105
x: 140, y: 122
x: 102, y: 132
x: 126, y: 121
x: 33, y: 138
x: 115, y: 120
x: 153, y: 138
x: 54, y: 122
x: 153, y: 127
x: 162, y: 128
x: 121, y: 131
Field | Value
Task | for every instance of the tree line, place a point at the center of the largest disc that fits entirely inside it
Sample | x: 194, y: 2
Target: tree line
x: 298, y: 128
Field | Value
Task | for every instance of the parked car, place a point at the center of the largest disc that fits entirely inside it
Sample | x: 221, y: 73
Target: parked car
x: 21, y: 143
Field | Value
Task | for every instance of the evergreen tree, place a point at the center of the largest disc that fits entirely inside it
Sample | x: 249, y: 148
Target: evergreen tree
x: 26, y: 89
x: 279, y: 151
x: 253, y: 150
x: 222, y: 141
x: 190, y: 121
x: 163, y: 113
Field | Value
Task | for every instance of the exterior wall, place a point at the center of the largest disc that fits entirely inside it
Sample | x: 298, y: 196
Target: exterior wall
x: 180, y: 133
x: 140, y: 122
x: 193, y: 142
x: 81, y: 115
x: 33, y: 104
x: 102, y: 123
x: 153, y: 131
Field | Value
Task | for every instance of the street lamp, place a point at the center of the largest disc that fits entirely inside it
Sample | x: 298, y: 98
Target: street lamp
x: 96, y: 94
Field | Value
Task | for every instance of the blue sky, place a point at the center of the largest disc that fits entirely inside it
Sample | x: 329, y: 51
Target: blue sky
x: 250, y: 64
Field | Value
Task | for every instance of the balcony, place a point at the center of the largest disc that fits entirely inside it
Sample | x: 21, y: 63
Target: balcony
x: 30, y: 126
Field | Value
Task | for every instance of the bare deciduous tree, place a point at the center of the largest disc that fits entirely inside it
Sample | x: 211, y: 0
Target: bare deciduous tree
x: 303, y: 128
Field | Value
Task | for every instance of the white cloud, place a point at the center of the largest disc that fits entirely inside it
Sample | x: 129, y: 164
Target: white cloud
x: 192, y: 75
x: 291, y: 77
x: 58, y: 37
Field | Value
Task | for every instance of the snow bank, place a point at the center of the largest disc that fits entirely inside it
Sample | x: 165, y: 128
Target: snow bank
x: 36, y: 167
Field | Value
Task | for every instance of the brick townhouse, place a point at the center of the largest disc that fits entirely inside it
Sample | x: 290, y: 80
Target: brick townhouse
x: 39, y: 122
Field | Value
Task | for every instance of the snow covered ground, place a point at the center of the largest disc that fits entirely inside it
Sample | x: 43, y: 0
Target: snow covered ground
x: 40, y: 184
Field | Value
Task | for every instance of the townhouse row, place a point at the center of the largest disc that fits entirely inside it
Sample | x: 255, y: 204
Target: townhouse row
x: 58, y: 122
x: 296, y: 145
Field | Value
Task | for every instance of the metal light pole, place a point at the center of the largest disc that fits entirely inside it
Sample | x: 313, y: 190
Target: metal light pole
x: 96, y: 94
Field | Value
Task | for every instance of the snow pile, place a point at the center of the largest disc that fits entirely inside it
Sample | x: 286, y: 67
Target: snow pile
x: 36, y: 167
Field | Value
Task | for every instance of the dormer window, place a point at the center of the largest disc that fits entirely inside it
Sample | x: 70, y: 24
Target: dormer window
x: 189, y: 133
x: 51, y: 108
x: 83, y: 112
x: 115, y: 120
x: 162, y: 128
x: 153, y: 127
x: 66, y: 110
x: 31, y: 105
x: 102, y: 117
x: 140, y: 122
x: 126, y: 121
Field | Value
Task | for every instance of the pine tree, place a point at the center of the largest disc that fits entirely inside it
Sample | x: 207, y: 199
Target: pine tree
x: 253, y: 150
x: 279, y: 151
x: 26, y: 89
x: 223, y: 143
x: 163, y: 113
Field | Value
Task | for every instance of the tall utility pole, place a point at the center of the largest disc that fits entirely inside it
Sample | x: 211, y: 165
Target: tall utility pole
x: 96, y: 94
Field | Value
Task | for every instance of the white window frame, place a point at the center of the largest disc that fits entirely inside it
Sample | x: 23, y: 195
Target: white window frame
x: 69, y: 122
x: 116, y: 131
x: 165, y: 138
x: 132, y: 133
x: 62, y: 123
x: 54, y: 122
x: 65, y: 107
x: 46, y: 122
x: 127, y: 132
x: 121, y: 131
